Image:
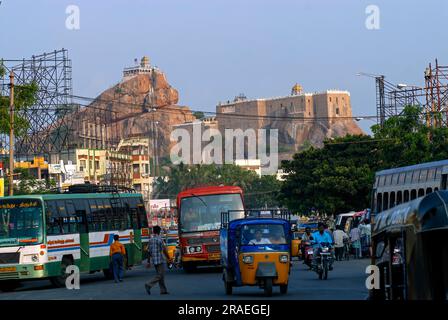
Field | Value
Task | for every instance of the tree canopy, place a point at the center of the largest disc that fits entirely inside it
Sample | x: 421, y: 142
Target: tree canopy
x: 258, y: 191
x: 24, y: 97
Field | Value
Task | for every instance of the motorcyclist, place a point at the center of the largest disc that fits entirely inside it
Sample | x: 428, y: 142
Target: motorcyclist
x: 307, y: 237
x: 321, y: 236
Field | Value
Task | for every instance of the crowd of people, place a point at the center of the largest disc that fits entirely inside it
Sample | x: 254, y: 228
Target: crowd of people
x: 356, y: 242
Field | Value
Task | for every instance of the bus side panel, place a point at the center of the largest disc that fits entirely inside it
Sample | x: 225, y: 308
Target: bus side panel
x: 60, y: 246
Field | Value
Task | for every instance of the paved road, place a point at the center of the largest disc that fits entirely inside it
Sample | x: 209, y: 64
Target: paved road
x: 346, y: 282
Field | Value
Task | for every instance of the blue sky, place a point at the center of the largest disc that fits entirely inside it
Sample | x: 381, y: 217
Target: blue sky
x: 211, y: 50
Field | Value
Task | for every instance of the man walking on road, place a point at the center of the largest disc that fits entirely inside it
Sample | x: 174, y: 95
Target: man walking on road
x: 158, y: 255
x: 339, y: 236
x: 117, y: 253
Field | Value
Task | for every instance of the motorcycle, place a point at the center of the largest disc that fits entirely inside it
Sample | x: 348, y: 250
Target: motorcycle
x: 309, y: 253
x: 323, y: 260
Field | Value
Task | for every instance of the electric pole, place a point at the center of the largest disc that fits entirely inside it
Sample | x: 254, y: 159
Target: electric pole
x: 11, y: 134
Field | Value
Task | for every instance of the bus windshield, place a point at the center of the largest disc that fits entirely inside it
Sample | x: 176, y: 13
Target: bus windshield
x: 20, y: 222
x: 203, y: 213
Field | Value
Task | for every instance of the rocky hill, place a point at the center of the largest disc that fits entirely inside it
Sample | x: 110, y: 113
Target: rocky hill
x: 128, y: 109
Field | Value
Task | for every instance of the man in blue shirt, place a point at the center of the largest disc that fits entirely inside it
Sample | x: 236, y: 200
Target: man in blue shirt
x: 320, y: 236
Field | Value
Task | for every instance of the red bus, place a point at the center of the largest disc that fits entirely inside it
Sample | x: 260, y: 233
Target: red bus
x: 200, y: 220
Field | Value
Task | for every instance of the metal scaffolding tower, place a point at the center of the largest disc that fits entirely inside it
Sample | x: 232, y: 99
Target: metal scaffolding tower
x: 48, y: 128
x: 432, y: 98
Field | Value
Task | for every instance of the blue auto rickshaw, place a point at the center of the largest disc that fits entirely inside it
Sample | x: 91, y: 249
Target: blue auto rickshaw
x: 256, y: 249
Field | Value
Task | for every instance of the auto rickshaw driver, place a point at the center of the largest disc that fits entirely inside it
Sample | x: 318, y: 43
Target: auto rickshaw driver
x: 259, y: 238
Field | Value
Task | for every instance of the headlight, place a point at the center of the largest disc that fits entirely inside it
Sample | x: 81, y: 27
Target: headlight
x: 284, y: 258
x: 248, y: 259
x: 31, y: 258
x: 191, y: 249
x: 198, y: 249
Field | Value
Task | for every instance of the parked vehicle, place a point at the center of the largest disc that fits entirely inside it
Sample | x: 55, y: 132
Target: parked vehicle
x: 410, y: 250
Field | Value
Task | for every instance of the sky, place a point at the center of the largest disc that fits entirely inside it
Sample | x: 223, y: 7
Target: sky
x: 212, y: 50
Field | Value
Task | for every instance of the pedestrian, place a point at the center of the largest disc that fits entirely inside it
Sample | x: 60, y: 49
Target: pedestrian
x: 355, y: 239
x: 158, y: 256
x: 117, y: 253
x: 339, y: 236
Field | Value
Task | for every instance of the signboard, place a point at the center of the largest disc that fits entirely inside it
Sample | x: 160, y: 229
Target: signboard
x: 55, y: 168
x: 157, y: 204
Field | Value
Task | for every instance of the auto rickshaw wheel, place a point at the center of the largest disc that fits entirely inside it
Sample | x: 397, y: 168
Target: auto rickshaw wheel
x: 268, y: 287
x: 283, y: 288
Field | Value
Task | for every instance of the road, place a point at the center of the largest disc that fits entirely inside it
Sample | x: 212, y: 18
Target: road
x: 345, y: 282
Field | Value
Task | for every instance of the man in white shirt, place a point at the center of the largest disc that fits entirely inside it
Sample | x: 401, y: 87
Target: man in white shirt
x: 339, y: 236
x: 259, y: 239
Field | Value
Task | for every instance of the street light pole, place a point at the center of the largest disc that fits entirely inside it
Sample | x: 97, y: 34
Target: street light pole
x: 11, y: 134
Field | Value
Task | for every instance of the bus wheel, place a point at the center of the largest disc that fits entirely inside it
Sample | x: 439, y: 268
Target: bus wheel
x: 268, y: 287
x: 59, y: 281
x: 9, y: 285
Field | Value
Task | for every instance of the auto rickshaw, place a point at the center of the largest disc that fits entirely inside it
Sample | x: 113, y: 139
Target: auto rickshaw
x: 171, y: 244
x: 295, y: 243
x: 410, y: 250
x: 256, y: 249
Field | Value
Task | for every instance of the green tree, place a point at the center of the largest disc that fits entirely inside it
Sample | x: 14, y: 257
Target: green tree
x: 335, y: 178
x: 258, y: 191
x: 198, y: 115
x: 24, y: 97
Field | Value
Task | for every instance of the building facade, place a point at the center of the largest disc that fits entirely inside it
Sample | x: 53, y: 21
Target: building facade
x: 138, y: 149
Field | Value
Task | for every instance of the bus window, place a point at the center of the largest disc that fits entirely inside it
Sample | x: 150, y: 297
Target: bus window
x: 379, y: 202
x: 81, y: 207
x: 421, y: 192
x: 133, y: 213
x: 62, y: 213
x: 428, y: 190
x: 413, y: 194
x: 392, y: 199
x: 406, y: 195
x: 382, y: 180
x: 92, y: 219
x: 385, y: 201
x: 110, y: 222
x: 399, y: 197
x: 431, y: 174
x: 395, y: 179
x: 143, y: 219
x: 72, y: 219
x: 415, y: 176
x: 402, y: 178
x: 423, y: 175
x: 53, y: 220
x: 408, y: 178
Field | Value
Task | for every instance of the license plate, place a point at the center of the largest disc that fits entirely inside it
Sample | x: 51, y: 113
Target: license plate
x: 310, y: 252
x: 214, y: 256
x: 8, y: 269
x: 325, y: 253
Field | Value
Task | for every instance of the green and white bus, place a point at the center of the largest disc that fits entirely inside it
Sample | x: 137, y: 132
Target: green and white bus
x: 40, y: 235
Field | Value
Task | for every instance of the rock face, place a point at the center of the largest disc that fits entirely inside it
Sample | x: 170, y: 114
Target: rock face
x: 142, y: 105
